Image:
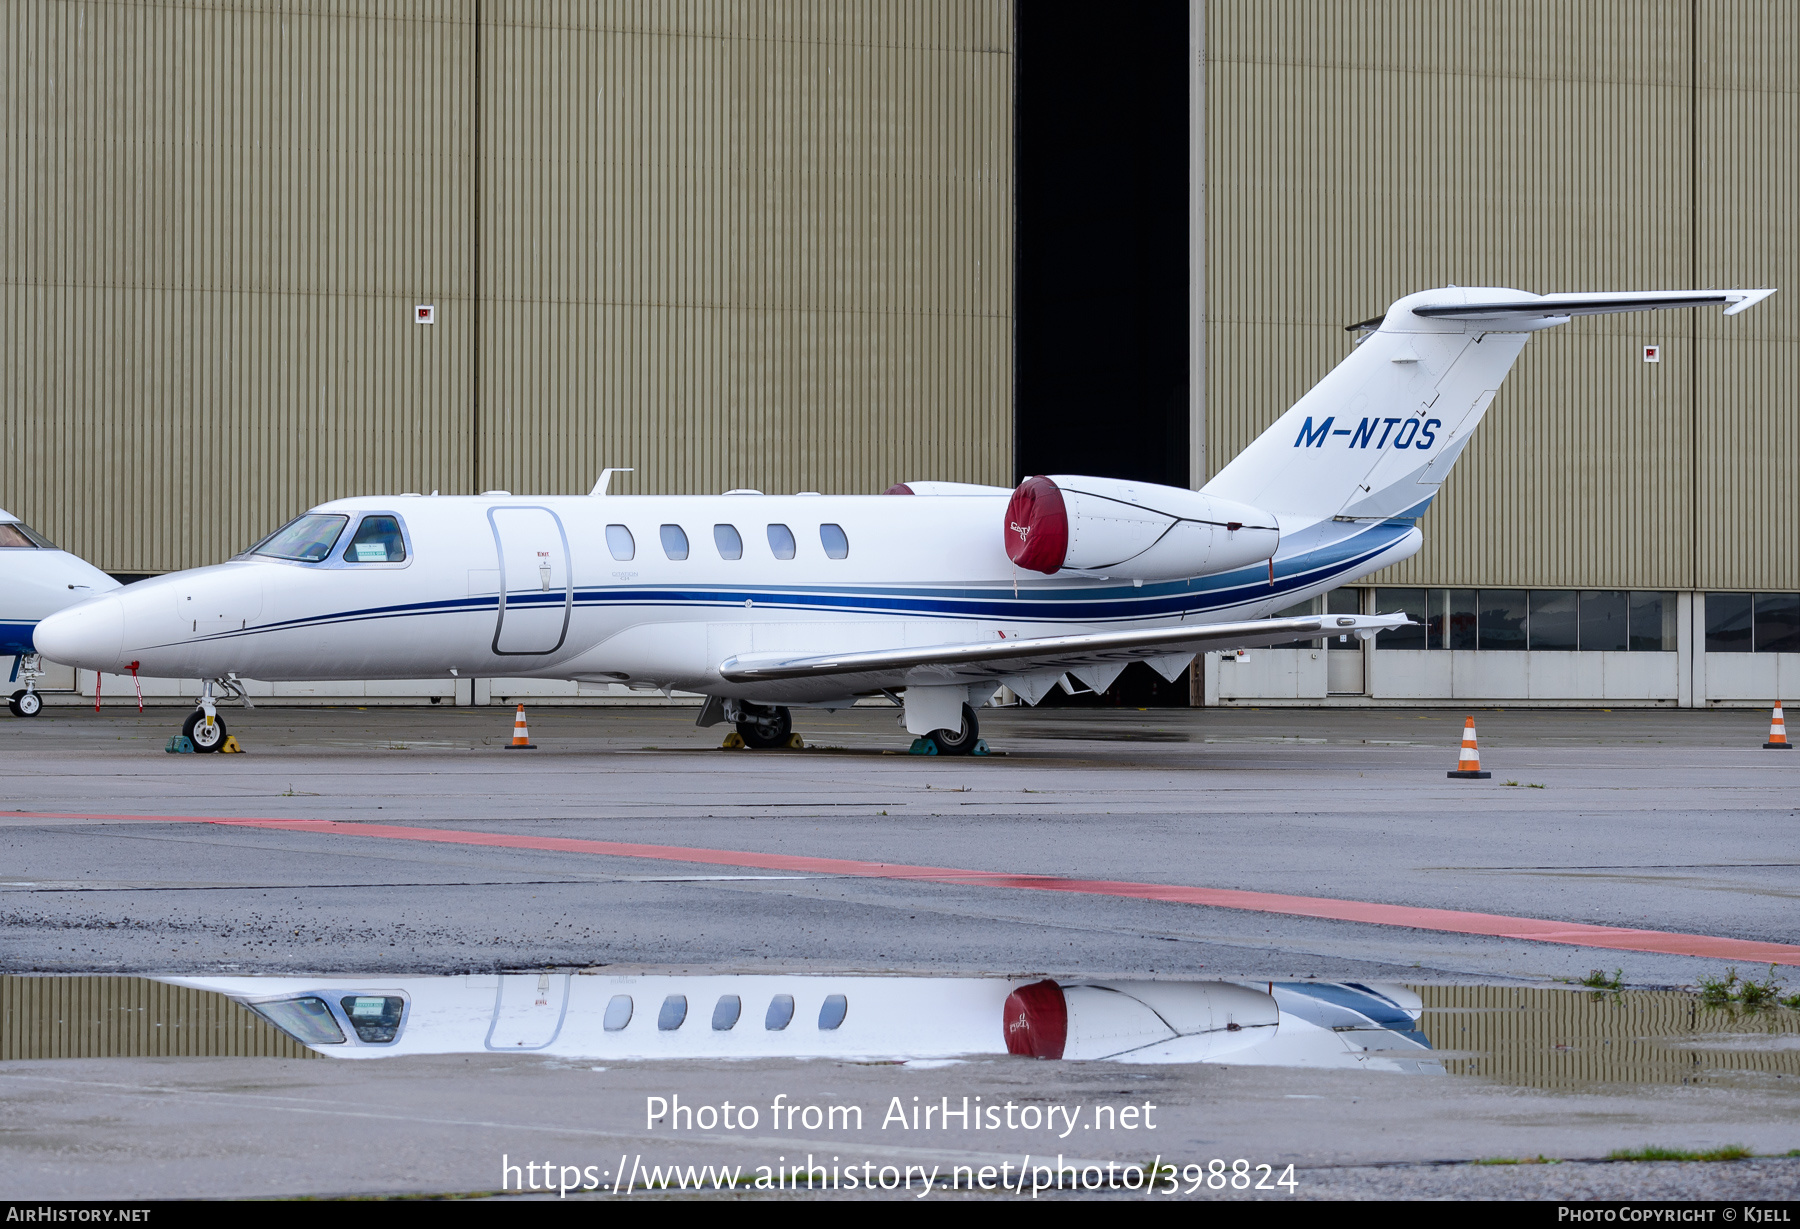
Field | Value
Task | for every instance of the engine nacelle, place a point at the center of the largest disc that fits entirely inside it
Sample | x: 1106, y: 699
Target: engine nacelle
x: 1135, y: 530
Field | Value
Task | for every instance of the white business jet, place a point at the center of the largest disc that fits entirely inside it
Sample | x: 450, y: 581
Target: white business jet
x: 934, y: 594
x: 36, y: 579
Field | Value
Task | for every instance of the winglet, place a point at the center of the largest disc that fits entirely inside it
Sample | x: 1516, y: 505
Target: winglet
x: 1744, y: 300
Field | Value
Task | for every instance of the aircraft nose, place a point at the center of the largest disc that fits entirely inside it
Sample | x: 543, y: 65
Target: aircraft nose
x: 89, y: 635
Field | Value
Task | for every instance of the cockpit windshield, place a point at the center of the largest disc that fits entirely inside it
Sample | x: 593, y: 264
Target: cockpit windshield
x: 16, y: 535
x: 377, y: 540
x: 305, y: 539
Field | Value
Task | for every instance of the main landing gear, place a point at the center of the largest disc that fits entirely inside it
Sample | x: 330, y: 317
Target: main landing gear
x: 958, y: 742
x: 763, y: 726
x: 26, y: 702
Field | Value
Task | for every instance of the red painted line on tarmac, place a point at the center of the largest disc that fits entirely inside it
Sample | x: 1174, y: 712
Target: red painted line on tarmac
x: 1450, y: 921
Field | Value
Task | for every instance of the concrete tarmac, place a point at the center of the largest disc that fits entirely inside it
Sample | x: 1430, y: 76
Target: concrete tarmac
x: 1667, y: 820
x: 247, y: 1128
x: 1654, y: 819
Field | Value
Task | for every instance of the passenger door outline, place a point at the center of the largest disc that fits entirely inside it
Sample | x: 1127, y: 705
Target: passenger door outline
x: 568, y: 580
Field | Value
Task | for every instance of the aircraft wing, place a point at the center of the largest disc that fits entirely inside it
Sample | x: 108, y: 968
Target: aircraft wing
x: 1035, y: 664
x: 1562, y: 306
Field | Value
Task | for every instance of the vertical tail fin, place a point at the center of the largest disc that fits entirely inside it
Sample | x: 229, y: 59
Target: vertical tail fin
x: 1377, y: 436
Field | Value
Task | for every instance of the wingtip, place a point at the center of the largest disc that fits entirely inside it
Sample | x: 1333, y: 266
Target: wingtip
x: 1744, y: 300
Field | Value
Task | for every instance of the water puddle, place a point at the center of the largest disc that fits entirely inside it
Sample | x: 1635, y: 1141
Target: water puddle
x: 1529, y: 1036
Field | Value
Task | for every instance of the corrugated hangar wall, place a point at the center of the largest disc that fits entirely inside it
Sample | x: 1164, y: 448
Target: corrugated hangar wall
x: 729, y: 243
x: 1359, y: 151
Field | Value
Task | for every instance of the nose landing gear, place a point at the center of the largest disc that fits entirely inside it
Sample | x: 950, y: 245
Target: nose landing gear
x: 206, y: 730
x: 26, y: 702
x: 204, y: 727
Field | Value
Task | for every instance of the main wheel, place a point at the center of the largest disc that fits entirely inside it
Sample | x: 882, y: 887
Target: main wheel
x: 765, y: 727
x: 205, y: 737
x: 958, y: 742
x: 25, y: 703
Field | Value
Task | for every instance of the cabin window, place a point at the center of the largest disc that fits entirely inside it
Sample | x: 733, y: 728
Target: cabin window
x: 375, y: 1017
x: 377, y: 540
x: 831, y: 1012
x: 726, y: 1012
x: 619, y: 541
x: 781, y: 541
x: 674, y: 540
x: 306, y: 1020
x: 673, y: 1014
x: 725, y: 537
x: 618, y: 1013
x: 305, y: 539
x: 781, y: 1012
x: 17, y: 535
x: 832, y: 538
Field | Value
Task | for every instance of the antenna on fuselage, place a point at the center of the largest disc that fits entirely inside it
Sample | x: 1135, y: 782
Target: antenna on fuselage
x: 606, y: 477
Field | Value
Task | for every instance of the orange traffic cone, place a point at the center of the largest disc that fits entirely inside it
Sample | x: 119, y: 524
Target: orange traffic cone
x: 1468, y: 764
x: 521, y: 736
x: 1778, y: 732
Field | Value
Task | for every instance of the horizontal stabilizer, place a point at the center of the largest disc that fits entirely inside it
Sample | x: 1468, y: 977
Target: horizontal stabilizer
x: 1558, y: 306
x: 945, y: 663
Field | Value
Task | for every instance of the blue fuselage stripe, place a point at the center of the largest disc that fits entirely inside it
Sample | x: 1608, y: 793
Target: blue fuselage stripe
x: 1113, y: 603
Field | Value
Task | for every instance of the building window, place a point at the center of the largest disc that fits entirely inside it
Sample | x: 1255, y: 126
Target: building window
x: 1778, y: 623
x: 1753, y: 623
x: 1554, y: 622
x: 1603, y: 620
x: 1411, y: 603
x: 1547, y: 620
x: 1651, y: 628
x: 1501, y: 623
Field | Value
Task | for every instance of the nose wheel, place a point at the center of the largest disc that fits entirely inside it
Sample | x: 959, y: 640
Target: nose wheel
x: 206, y: 731
x: 763, y: 726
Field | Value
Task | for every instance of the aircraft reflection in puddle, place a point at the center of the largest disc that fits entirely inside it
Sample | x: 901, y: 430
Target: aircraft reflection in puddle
x: 597, y: 1016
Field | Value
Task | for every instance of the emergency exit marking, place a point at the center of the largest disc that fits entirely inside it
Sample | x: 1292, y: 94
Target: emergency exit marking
x: 425, y: 313
x: 1653, y: 354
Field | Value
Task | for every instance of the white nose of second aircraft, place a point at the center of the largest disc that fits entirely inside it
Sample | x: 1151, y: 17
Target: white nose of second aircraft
x: 90, y: 635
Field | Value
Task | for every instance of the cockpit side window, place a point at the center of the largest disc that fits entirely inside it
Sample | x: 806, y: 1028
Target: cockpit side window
x: 378, y: 540
x: 13, y: 537
x: 375, y: 1017
x: 305, y: 539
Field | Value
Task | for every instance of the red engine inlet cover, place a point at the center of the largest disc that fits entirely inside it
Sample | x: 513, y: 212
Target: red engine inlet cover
x: 1037, y: 1020
x: 1037, y: 526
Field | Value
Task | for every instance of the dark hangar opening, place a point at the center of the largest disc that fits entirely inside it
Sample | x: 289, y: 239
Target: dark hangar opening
x: 1101, y: 149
